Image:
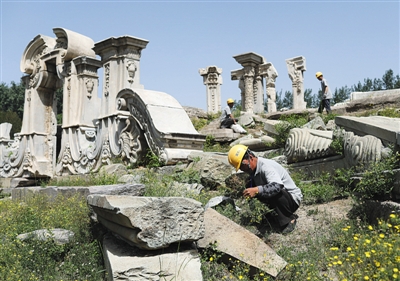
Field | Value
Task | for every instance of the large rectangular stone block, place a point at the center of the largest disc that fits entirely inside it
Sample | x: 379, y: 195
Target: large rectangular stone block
x: 150, y: 222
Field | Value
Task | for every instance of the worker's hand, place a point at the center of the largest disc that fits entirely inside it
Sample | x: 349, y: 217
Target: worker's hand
x: 250, y: 192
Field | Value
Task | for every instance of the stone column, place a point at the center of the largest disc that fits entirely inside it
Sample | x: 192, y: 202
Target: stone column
x: 88, y: 107
x: 253, y: 90
x: 121, y: 62
x: 213, y: 80
x: 248, y: 89
x: 268, y: 71
x: 296, y: 66
x: 258, y: 94
x: 238, y: 75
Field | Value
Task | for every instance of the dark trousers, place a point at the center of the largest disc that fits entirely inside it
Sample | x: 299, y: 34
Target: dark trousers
x: 325, y: 103
x: 284, y: 206
x: 227, y: 123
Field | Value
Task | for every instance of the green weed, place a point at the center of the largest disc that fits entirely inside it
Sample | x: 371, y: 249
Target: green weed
x: 80, y: 259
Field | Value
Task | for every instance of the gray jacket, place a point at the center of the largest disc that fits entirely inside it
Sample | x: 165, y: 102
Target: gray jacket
x: 269, y: 171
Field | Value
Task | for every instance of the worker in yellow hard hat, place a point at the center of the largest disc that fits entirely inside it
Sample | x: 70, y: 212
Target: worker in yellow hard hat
x: 270, y: 183
x: 227, y: 119
x: 326, y: 94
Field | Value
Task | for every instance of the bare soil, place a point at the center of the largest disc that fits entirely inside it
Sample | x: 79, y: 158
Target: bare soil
x: 312, y: 221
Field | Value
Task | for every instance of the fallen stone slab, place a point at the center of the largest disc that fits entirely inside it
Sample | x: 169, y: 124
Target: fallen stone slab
x: 239, y: 243
x: 125, y: 262
x: 150, y: 222
x: 260, y: 144
x: 385, y: 128
x: 60, y: 236
x: 52, y: 192
x: 118, y: 189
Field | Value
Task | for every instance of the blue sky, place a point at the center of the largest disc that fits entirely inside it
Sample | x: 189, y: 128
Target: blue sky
x: 346, y: 40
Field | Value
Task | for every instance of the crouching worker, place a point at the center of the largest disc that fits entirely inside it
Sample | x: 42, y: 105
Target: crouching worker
x: 270, y: 183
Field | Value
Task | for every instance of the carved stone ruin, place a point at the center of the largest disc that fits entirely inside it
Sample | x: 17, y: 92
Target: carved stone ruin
x: 213, y: 80
x: 296, y: 66
x: 250, y: 82
x: 268, y: 71
x: 308, y: 144
x: 125, y: 122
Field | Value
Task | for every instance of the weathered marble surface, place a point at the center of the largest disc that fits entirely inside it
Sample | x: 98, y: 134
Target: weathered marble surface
x: 150, y: 222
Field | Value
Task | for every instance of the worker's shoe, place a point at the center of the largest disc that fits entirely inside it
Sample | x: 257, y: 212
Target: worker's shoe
x: 289, y: 227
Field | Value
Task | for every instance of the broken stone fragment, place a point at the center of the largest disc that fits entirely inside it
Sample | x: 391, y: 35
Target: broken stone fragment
x: 150, y: 222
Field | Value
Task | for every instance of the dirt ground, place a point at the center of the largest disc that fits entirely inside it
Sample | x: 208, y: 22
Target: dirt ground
x: 312, y: 221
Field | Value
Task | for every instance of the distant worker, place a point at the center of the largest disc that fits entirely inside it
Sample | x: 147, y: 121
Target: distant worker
x: 326, y: 92
x: 227, y: 119
x: 270, y: 183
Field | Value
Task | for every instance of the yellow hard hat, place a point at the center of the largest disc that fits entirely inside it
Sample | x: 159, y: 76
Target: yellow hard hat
x: 318, y: 74
x: 230, y: 101
x: 235, y: 155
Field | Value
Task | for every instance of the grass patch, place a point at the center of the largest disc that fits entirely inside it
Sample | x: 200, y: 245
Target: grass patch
x: 82, y: 180
x: 34, y: 260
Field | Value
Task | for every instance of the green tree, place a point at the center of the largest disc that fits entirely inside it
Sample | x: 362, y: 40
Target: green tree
x: 309, y: 98
x: 389, y: 81
x: 13, y: 119
x: 12, y: 98
x: 341, y: 94
x: 279, y: 100
x: 288, y: 99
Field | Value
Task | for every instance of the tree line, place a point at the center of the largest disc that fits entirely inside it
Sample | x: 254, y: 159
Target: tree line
x: 12, y: 97
x: 387, y: 82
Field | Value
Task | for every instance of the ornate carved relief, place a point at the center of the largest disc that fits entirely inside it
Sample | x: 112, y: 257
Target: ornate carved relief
x: 27, y: 162
x: 131, y: 68
x: 106, y: 153
x: 131, y: 53
x: 129, y: 141
x: 106, y: 79
x: 307, y: 144
x: 66, y: 160
x: 153, y: 141
x: 11, y: 157
x: 363, y: 150
x: 89, y: 87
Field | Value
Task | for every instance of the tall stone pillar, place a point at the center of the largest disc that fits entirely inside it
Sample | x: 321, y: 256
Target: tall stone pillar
x: 238, y: 75
x: 296, y: 66
x: 121, y: 65
x: 253, y: 98
x: 248, y: 89
x: 80, y: 101
x: 213, y: 80
x: 258, y: 94
x: 268, y: 71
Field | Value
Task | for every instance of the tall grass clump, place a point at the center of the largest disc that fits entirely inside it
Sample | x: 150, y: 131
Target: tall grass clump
x: 80, y: 259
x: 377, y: 179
